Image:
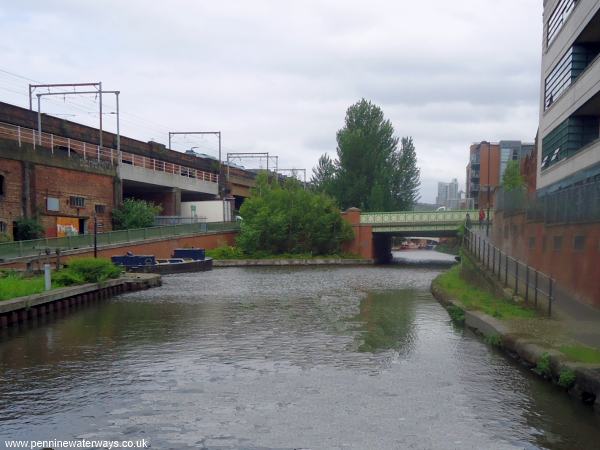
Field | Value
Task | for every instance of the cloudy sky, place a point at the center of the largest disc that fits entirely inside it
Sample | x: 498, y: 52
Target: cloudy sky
x: 277, y: 76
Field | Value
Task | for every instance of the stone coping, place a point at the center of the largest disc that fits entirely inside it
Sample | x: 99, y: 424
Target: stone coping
x: 28, y: 301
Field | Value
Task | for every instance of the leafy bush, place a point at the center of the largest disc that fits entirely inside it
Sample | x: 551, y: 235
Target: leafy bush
x: 5, y: 237
x: 135, y: 213
x: 288, y: 219
x: 543, y: 366
x: 91, y: 270
x: 26, y: 229
x: 566, y: 378
x: 67, y: 277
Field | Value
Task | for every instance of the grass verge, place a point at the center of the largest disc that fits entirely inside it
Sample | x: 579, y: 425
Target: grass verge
x: 581, y: 353
x: 14, y: 285
x: 474, y: 298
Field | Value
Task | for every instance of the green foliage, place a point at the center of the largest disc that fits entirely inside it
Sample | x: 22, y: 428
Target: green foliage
x: 581, y: 353
x: 135, y: 213
x: 495, y: 340
x: 67, y: 277
x: 370, y: 172
x: 543, y: 366
x: 27, y: 229
x: 323, y: 178
x: 456, y: 314
x: 13, y: 285
x: 226, y: 252
x: 288, y: 219
x: 92, y: 270
x: 512, y: 178
x: 5, y: 237
x: 566, y: 378
x: 472, y: 297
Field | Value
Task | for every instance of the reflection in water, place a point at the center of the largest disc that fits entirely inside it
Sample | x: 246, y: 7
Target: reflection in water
x: 278, y: 358
x: 387, y: 321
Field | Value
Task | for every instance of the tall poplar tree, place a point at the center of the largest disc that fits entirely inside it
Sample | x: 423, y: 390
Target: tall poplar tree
x: 370, y: 172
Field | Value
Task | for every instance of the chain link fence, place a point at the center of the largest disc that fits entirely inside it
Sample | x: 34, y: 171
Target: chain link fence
x: 537, y: 288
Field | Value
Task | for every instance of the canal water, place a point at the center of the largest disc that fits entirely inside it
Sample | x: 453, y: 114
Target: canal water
x: 279, y: 358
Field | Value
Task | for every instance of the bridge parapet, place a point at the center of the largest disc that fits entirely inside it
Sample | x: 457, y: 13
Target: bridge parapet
x: 413, y: 218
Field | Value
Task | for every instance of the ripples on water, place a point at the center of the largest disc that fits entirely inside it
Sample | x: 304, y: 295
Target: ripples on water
x: 278, y: 358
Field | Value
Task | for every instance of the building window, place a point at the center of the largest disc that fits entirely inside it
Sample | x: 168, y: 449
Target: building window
x: 558, y: 18
x: 3, y: 227
x: 100, y: 209
x: 557, y: 243
x: 566, y: 71
x: 1, y: 185
x: 579, y: 243
x: 568, y: 138
x: 52, y: 204
x: 77, y: 202
x: 532, y: 242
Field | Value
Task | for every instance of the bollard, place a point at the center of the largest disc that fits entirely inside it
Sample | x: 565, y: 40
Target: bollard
x: 47, y: 277
x: 493, y: 260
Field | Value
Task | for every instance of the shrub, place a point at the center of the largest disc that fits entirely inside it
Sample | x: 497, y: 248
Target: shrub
x: 135, y: 213
x: 67, y: 277
x: 92, y: 270
x: 5, y: 237
x: 543, y: 366
x: 288, y: 219
x: 456, y: 314
x: 26, y: 229
x: 566, y: 378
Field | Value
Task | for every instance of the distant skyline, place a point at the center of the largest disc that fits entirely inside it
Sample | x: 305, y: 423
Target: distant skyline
x: 278, y: 76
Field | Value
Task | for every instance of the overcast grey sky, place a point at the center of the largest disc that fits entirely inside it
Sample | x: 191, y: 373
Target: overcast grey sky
x: 277, y: 76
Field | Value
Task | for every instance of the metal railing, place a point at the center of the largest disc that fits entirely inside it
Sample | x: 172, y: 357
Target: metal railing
x: 72, y: 148
x: 576, y: 204
x: 534, y: 286
x: 37, y: 247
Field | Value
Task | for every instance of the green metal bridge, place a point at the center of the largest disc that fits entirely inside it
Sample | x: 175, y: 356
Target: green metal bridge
x: 419, y: 223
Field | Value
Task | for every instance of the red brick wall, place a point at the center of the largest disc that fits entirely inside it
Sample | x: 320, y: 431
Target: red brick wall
x: 363, y: 235
x: 64, y: 183
x: 10, y: 200
x: 577, y: 271
x: 160, y: 249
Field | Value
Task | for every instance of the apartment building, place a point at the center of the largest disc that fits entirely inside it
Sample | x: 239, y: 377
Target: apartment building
x: 569, y: 144
x: 487, y: 163
x: 448, y: 195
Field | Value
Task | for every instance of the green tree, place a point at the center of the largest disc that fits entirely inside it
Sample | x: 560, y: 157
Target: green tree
x: 512, y: 178
x: 365, y: 149
x: 406, y: 176
x: 288, y: 219
x: 134, y: 213
x: 369, y: 172
x: 323, y: 177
